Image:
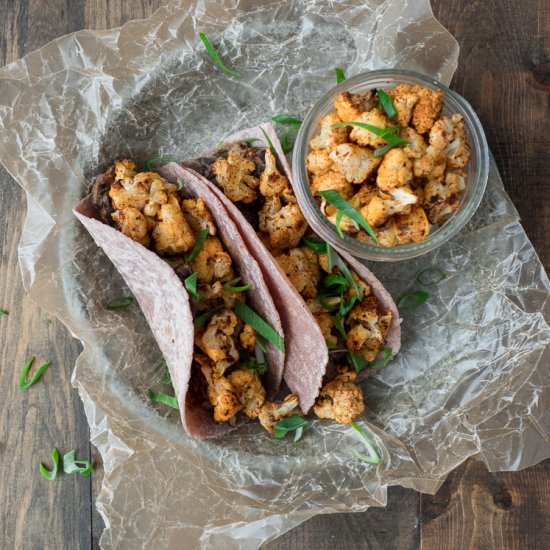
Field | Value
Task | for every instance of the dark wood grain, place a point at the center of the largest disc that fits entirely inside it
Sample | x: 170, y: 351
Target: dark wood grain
x: 504, y: 71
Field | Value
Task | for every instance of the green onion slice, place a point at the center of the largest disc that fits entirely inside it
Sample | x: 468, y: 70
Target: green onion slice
x: 339, y: 217
x: 317, y: 245
x: 287, y: 120
x: 347, y: 274
x: 201, y: 319
x: 340, y: 76
x: 334, y: 198
x: 168, y: 400
x: 23, y: 384
x: 122, y: 302
x: 250, y: 317
x: 262, y: 345
x: 50, y: 475
x: 431, y: 276
x: 330, y: 307
x: 191, y: 285
x: 72, y: 466
x: 166, y: 377
x: 199, y: 243
x: 357, y: 361
x: 387, y: 104
x: 383, y: 361
x: 332, y: 257
x: 373, y: 456
x: 216, y: 58
x: 338, y: 323
x: 272, y: 148
x: 230, y: 286
x: 383, y: 150
x: 336, y: 283
x: 3, y: 313
x: 252, y: 140
x: 260, y: 368
x: 181, y: 184
x: 289, y: 424
x: 382, y: 133
x: 286, y: 144
x: 412, y: 299
x: 155, y: 160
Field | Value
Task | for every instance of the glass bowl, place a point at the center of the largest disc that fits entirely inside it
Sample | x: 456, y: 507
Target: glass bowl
x: 477, y: 171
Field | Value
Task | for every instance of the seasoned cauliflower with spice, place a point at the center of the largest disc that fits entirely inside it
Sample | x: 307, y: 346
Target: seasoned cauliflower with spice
x: 332, y: 180
x: 350, y: 106
x: 318, y: 161
x: 395, y: 171
x: 133, y: 224
x: 329, y: 137
x: 249, y: 390
x: 379, y: 210
x: 404, y: 100
x: 427, y: 109
x: 272, y: 182
x: 458, y: 151
x: 218, y: 341
x: 212, y: 262
x: 416, y: 148
x: 365, y: 137
x: 413, y: 226
x: 301, y: 266
x: 285, y: 225
x: 221, y: 395
x: 172, y: 233
x: 235, y: 177
x: 340, y: 399
x: 271, y: 413
x: 198, y: 216
x: 247, y: 337
x: 355, y: 163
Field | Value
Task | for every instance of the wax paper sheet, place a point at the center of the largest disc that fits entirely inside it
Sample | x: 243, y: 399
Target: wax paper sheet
x: 472, y: 376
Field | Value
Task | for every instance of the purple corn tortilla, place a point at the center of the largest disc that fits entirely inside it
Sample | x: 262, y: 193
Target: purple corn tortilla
x: 307, y: 354
x: 165, y: 302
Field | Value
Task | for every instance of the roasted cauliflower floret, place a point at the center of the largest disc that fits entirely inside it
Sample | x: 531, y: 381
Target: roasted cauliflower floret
x: 285, y: 225
x: 172, y: 233
x: 350, y: 106
x: 404, y: 100
x: 332, y: 180
x: 458, y: 151
x: 416, y: 147
x: 441, y: 134
x: 378, y: 210
x: 222, y: 395
x: 212, y: 262
x: 235, y: 177
x: 427, y: 110
x: 340, y: 400
x: 326, y: 324
x: 329, y: 137
x: 132, y: 223
x: 366, y: 137
x: 125, y: 170
x: 271, y: 413
x: 301, y: 266
x: 395, y: 171
x: 247, y: 337
x: 355, y: 163
x: 124, y: 194
x: 318, y: 161
x: 249, y: 390
x: 272, y: 182
x: 413, y: 226
x: 218, y: 341
x: 198, y: 215
x: 432, y: 165
x: 442, y: 198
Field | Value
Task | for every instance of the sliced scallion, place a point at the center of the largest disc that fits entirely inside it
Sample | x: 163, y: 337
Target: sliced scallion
x: 286, y: 120
x: 339, y: 217
x: 273, y: 151
x: 167, y: 400
x: 155, y: 160
x: 340, y: 76
x: 122, y: 302
x: 199, y: 243
x: 3, y: 313
x: 431, y: 276
x: 23, y: 384
x: 250, y: 317
x: 181, y: 184
x: 412, y: 299
x: 231, y: 286
x: 191, y: 285
x: 373, y: 456
x: 382, y: 133
x: 73, y: 466
x: 383, y: 361
x: 216, y: 58
x: 383, y: 150
x: 201, y: 319
x: 387, y: 104
x: 317, y: 245
x: 289, y: 424
x: 50, y: 475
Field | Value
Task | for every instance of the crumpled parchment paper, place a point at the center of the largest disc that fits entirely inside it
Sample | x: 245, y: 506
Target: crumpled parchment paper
x: 472, y: 377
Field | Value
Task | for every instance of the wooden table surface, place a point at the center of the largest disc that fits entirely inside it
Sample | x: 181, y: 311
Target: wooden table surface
x: 504, y: 71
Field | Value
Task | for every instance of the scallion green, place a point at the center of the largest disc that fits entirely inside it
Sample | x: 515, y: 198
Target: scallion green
x: 50, y: 475
x: 191, y: 285
x: 373, y: 456
x: 286, y: 120
x: 289, y: 424
x: 167, y: 400
x: 431, y: 276
x: 250, y: 317
x: 383, y: 361
x: 231, y: 286
x: 382, y: 133
x: 23, y: 384
x: 340, y: 76
x: 216, y: 58
x: 412, y: 299
x: 201, y: 319
x: 199, y: 243
x: 155, y: 160
x: 387, y: 104
x: 3, y: 313
x: 73, y: 466
x: 122, y: 302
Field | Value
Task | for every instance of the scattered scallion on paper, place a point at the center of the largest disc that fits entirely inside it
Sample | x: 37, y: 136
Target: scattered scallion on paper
x: 216, y: 58
x: 383, y: 361
x: 201, y: 320
x: 50, y: 475
x: 167, y: 400
x: 431, y: 276
x: 23, y: 383
x: 3, y: 313
x: 155, y: 160
x: 73, y: 466
x: 334, y: 198
x: 191, y: 285
x: 340, y: 76
x: 199, y: 243
x: 122, y: 302
x: 290, y: 424
x: 250, y: 317
x: 412, y: 299
x: 373, y: 457
x: 286, y: 120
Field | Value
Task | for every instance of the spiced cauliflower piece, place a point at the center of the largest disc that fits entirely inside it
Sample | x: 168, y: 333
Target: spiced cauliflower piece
x: 404, y: 99
x: 350, y: 106
x: 212, y: 262
x: 211, y: 294
x: 125, y: 193
x: 340, y: 399
x: 395, y: 171
x: 326, y: 324
x: 218, y: 341
x: 366, y: 137
x: 249, y: 390
x: 458, y: 151
x: 354, y: 162
x: 125, y: 170
x: 413, y: 226
x: 416, y: 148
x: 328, y: 136
x: 271, y: 413
x: 235, y: 177
x: 442, y: 197
x: 247, y: 337
x: 332, y: 180
x: 427, y: 109
x: 318, y: 161
x: 221, y: 395
x: 301, y: 266
x: 172, y: 234
x: 198, y: 215
x: 272, y: 182
x: 430, y: 166
x: 363, y: 196
x: 132, y: 223
x: 379, y: 210
x: 285, y: 225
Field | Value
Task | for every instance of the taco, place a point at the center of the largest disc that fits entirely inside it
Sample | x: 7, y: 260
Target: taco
x: 358, y: 319
x: 201, y: 291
